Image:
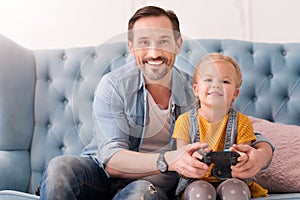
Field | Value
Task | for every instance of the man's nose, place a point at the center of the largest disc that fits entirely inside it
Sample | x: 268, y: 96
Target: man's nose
x: 154, y: 52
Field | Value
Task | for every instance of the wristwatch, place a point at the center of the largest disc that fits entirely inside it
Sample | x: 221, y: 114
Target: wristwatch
x: 162, y: 165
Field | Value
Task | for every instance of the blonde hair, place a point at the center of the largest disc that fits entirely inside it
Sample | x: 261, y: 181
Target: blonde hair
x: 211, y: 57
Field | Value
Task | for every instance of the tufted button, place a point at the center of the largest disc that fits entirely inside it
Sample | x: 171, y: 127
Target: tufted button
x: 80, y: 78
x: 49, y: 125
x: 254, y: 99
x: 63, y: 148
x: 65, y: 101
x: 49, y: 80
x: 79, y: 124
x: 221, y: 51
x: 287, y: 98
x: 251, y: 51
x: 125, y: 55
x: 64, y: 57
x: 94, y: 55
x: 283, y: 53
x: 188, y: 51
x: 270, y: 76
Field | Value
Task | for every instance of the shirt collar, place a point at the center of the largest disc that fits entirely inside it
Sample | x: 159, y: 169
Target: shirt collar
x: 182, y: 92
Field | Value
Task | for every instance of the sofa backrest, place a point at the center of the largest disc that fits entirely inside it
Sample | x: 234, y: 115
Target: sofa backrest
x: 46, y: 95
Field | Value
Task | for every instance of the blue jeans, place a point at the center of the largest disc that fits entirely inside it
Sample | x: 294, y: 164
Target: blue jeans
x: 74, y: 177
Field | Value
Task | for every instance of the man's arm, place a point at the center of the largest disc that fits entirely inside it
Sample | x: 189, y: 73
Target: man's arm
x: 129, y: 164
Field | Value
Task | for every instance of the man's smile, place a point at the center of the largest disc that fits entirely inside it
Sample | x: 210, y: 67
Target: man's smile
x: 155, y: 62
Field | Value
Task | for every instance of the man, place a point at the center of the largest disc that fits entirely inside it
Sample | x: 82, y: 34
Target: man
x: 131, y: 155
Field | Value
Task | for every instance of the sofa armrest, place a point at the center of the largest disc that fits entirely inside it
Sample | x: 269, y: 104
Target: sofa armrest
x: 17, y: 85
x: 14, y: 170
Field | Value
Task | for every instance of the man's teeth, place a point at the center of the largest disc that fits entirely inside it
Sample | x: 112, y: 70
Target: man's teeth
x: 155, y: 62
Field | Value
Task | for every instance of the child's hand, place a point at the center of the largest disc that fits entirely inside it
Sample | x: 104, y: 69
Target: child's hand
x: 242, y: 159
x: 247, y: 165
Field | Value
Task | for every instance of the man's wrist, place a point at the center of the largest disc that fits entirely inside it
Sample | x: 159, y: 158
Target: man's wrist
x: 168, y: 159
x: 161, y: 163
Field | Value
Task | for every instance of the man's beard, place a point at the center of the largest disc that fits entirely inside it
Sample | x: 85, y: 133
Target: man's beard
x: 155, y: 74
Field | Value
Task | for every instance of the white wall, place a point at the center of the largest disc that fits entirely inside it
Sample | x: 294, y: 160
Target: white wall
x: 39, y: 24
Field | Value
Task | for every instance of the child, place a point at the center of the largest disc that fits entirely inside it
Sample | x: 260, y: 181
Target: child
x: 216, y: 82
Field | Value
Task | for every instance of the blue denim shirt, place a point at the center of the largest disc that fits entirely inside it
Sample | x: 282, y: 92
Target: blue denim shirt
x: 120, y: 110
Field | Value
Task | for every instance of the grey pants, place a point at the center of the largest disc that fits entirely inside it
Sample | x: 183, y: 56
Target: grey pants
x: 230, y: 189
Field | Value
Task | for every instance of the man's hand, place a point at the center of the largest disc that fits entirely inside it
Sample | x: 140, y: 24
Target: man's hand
x: 258, y: 158
x: 185, y: 163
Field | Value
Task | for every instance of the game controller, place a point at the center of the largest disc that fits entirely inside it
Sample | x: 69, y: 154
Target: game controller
x: 222, y: 160
x: 220, y: 157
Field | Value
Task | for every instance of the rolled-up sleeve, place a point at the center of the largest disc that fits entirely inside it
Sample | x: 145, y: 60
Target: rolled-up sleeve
x: 111, y: 126
x: 261, y: 138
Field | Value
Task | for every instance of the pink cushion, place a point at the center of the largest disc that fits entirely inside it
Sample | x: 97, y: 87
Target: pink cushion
x: 283, y: 174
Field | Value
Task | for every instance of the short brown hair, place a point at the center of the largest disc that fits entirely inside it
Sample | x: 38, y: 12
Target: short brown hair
x: 154, y: 11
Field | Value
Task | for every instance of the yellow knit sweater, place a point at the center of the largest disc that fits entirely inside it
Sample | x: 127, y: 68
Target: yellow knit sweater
x: 214, y: 134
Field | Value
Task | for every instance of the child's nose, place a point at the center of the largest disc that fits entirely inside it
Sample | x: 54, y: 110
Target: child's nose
x: 216, y: 84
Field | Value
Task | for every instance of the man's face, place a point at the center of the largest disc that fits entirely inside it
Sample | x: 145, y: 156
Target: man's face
x: 154, y: 46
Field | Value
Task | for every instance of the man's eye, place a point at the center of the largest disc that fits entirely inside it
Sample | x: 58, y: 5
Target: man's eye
x: 143, y: 43
x: 164, y: 42
x: 225, y: 82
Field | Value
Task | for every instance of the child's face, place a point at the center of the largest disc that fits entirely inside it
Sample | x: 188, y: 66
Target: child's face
x: 216, y: 84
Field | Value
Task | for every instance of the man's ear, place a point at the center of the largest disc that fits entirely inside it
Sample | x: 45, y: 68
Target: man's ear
x: 178, y: 45
x: 130, y: 46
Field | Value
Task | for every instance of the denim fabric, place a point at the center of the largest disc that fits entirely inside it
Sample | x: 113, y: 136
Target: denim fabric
x: 81, y: 178
x: 141, y: 189
x: 74, y: 177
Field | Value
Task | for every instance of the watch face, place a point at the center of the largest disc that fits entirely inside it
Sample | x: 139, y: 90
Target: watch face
x: 162, y: 166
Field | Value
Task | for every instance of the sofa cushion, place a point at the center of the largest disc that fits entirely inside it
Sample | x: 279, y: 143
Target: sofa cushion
x: 283, y: 173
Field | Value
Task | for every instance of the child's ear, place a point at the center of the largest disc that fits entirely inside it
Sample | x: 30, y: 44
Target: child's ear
x: 195, y: 89
x: 236, y: 93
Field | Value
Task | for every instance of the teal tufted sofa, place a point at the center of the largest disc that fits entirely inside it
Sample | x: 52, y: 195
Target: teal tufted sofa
x: 46, y: 98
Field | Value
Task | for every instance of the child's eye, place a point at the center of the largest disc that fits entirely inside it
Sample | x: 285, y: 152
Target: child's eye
x: 225, y: 82
x: 207, y: 80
